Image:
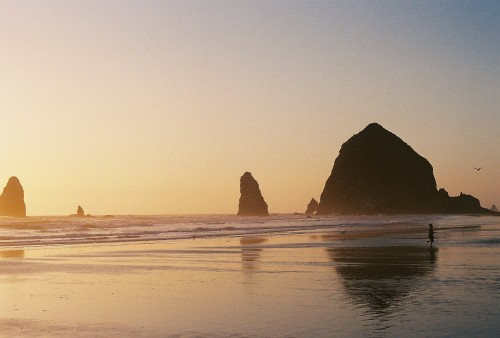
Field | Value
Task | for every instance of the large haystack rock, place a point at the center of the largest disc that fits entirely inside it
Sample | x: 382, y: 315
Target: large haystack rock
x: 378, y: 173
x: 251, y: 201
x: 12, y: 199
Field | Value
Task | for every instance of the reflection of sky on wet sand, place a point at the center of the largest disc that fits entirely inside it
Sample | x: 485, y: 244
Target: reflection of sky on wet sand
x: 224, y: 286
x: 18, y: 253
x: 273, y: 285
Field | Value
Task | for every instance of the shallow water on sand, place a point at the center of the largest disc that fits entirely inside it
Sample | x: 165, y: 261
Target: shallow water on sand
x: 339, y: 277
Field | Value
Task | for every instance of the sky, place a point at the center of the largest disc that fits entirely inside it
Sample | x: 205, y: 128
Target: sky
x: 159, y: 107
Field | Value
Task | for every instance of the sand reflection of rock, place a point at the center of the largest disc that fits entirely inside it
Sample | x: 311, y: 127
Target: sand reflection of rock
x: 12, y: 253
x: 381, y: 276
x: 250, y: 252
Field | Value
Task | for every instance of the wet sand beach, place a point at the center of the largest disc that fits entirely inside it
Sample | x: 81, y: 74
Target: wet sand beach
x: 383, y: 282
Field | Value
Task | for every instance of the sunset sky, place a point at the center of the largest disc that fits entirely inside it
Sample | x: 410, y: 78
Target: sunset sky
x: 158, y: 107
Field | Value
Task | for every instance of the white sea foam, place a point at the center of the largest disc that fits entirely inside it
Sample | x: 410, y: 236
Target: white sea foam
x: 41, y: 231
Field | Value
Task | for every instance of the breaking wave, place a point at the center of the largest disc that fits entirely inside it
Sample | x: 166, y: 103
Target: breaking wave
x: 39, y: 231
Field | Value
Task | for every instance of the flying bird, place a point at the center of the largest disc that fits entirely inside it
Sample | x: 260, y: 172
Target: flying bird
x: 477, y: 168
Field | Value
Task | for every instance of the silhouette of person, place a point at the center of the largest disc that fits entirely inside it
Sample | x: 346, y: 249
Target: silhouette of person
x: 431, y: 234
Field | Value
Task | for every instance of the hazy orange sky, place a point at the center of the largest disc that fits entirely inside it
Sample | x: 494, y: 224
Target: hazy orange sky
x: 158, y: 107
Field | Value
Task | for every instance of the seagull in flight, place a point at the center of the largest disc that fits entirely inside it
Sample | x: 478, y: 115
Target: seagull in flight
x: 477, y: 168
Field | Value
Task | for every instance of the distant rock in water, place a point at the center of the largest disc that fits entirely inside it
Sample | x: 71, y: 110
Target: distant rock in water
x: 251, y: 201
x: 80, y: 212
x: 312, y: 207
x: 12, y: 199
x: 493, y: 208
x: 378, y: 173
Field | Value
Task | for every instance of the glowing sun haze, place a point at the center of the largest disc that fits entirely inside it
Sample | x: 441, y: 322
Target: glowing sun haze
x: 158, y: 107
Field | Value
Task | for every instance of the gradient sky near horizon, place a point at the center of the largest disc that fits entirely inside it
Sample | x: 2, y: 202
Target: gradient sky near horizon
x: 158, y: 107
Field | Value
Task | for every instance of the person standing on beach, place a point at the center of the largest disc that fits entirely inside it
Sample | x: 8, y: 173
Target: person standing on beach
x: 431, y: 234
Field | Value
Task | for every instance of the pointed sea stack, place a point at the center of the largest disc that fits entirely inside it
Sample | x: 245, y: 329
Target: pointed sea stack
x: 378, y: 173
x: 312, y: 207
x: 12, y: 199
x: 80, y: 212
x: 251, y: 201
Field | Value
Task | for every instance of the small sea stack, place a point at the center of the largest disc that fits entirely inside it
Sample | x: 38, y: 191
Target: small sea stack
x: 80, y: 212
x: 12, y: 199
x: 312, y: 207
x: 251, y: 201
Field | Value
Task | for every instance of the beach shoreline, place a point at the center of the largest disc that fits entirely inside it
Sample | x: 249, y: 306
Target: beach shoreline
x: 308, y: 282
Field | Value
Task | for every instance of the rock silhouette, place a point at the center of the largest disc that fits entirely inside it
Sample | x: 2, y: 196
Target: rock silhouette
x: 12, y: 199
x: 312, y: 207
x: 251, y: 201
x: 80, y: 212
x: 493, y: 208
x: 378, y: 173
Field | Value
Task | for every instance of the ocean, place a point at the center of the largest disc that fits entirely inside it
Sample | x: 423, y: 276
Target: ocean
x: 224, y: 275
x: 106, y: 229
